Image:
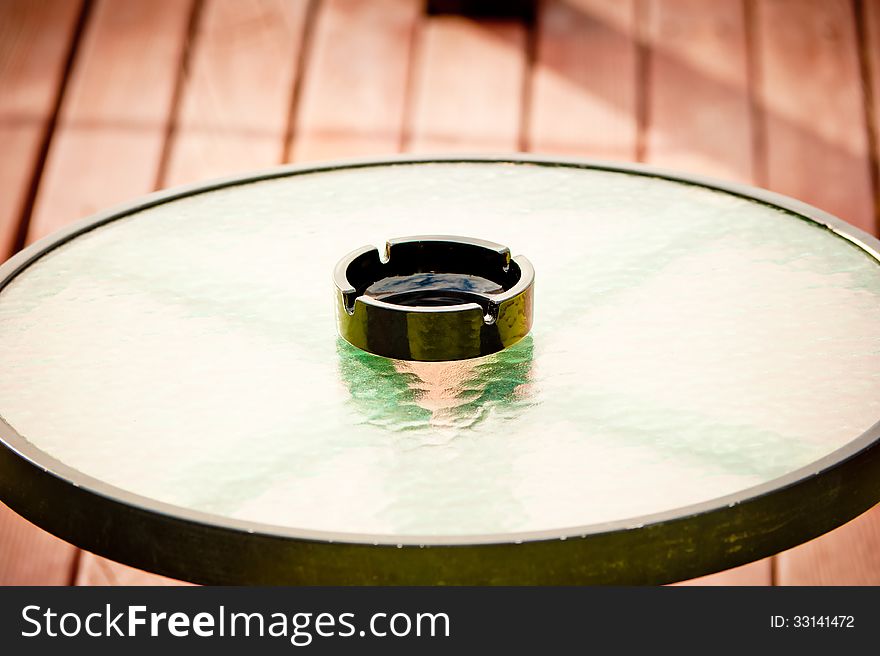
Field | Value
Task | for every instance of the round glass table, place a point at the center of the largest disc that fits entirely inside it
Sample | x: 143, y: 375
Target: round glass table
x: 700, y: 387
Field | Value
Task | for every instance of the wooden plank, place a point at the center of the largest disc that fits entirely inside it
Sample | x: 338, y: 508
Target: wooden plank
x: 113, y: 123
x: 849, y: 555
x: 311, y: 138
x: 584, y: 92
x: 817, y: 150
x: 31, y: 556
x: 35, y: 39
x: 354, y: 93
x: 235, y: 105
x: 467, y: 85
x: 107, y: 145
x: 569, y: 75
x: 99, y: 571
x: 585, y: 96
x: 869, y: 19
x: 698, y: 119
x: 756, y: 573
x: 698, y: 102
x: 236, y: 101
x: 810, y: 94
x: 95, y: 570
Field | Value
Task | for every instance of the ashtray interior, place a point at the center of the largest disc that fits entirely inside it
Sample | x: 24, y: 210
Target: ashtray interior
x: 434, y: 272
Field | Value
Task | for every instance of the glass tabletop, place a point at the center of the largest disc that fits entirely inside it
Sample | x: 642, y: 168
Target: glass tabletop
x: 688, y: 344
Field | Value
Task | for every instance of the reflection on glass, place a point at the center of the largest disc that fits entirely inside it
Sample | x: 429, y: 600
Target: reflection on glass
x: 410, y: 396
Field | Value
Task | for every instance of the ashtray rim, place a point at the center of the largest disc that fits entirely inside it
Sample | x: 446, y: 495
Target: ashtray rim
x: 360, y: 316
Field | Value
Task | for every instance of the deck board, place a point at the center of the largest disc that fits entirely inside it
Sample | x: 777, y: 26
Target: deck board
x: 587, y: 101
x: 810, y: 94
x: 354, y: 96
x: 113, y: 122
x: 584, y: 89
x: 468, y: 83
x: 110, y: 134
x: 823, y: 122
x: 869, y: 34
x: 698, y: 119
x: 235, y: 106
x: 35, y: 42
x: 817, y: 150
x: 234, y: 109
x: 849, y: 555
x: 698, y: 108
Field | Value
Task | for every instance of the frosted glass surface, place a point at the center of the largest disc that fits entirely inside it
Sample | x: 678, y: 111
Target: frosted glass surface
x: 687, y: 344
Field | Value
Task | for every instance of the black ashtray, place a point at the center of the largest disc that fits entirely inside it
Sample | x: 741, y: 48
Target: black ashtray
x: 434, y: 298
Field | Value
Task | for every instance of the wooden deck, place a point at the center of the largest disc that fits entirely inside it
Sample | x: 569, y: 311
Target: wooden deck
x: 106, y: 100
